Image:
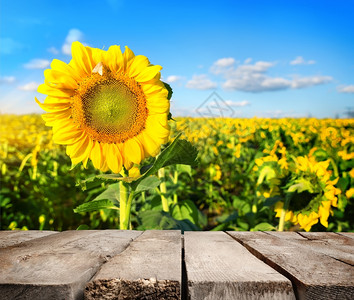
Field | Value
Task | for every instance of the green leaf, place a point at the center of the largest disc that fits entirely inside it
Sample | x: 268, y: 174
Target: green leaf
x: 115, y: 177
x: 169, y: 89
x: 263, y: 227
x: 83, y: 227
x: 221, y: 227
x: 320, y: 154
x: 151, y: 219
x: 343, y: 182
x: 184, y: 169
x: 148, y: 183
x: 185, y: 210
x: 145, y: 168
x: 227, y: 218
x: 178, y: 152
x: 95, y: 205
x: 267, y: 173
x: 300, y: 186
x: 272, y: 200
x: 89, y: 183
x: 111, y: 193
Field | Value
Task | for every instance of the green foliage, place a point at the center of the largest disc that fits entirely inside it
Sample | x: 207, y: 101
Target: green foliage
x: 227, y: 190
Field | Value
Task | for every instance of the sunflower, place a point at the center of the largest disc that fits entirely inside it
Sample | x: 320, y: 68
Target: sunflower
x: 107, y: 106
x: 316, y: 177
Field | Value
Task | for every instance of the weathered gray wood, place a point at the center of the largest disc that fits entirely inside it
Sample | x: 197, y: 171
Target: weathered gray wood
x: 150, y: 268
x: 218, y: 267
x: 347, y: 234
x: 12, y: 237
x: 315, y: 275
x: 290, y: 235
x: 58, y: 266
x: 334, y: 245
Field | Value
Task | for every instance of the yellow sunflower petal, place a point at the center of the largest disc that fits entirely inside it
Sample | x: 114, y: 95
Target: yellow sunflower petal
x: 81, y: 61
x: 52, y: 119
x: 127, y: 58
x: 53, y: 107
x: 80, y: 151
x: 148, y: 73
x: 114, y: 59
x: 97, y: 155
x: 133, y: 151
x: 158, y: 106
x: 60, y: 66
x: 114, y: 158
x: 139, y: 63
x: 96, y: 55
x: 59, y: 79
x: 154, y: 87
x: 150, y: 145
x: 55, y: 92
x: 157, y: 126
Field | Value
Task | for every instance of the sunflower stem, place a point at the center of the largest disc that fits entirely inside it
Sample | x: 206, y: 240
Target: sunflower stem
x: 175, y: 181
x: 123, y: 192
x: 283, y: 214
x: 161, y: 174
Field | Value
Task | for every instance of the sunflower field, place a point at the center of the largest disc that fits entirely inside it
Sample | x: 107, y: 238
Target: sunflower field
x: 252, y: 174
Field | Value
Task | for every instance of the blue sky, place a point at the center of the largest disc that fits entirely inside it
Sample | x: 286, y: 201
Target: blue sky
x: 254, y: 58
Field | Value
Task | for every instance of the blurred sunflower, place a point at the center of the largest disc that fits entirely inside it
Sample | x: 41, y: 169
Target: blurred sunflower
x: 107, y: 106
x: 313, y: 178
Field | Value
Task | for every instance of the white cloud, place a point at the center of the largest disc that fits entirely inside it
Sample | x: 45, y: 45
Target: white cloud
x: 201, y: 82
x: 37, y: 64
x: 29, y: 87
x: 225, y: 62
x: 238, y: 104
x: 346, y: 89
x: 248, y: 60
x: 303, y: 82
x: 254, y: 78
x: 222, y: 65
x: 178, y: 111
x: 53, y: 50
x: 7, y: 79
x: 173, y: 78
x: 73, y: 35
x: 300, y: 61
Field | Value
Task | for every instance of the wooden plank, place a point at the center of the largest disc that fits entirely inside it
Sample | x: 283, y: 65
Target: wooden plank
x: 314, y: 275
x: 334, y: 245
x: 329, y: 243
x: 13, y: 237
x: 346, y: 234
x: 218, y: 267
x: 58, y: 266
x: 150, y: 268
x: 289, y: 235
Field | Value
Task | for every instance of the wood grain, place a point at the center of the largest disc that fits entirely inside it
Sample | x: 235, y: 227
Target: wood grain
x: 334, y: 245
x: 150, y: 268
x: 218, y: 267
x: 13, y: 237
x: 58, y: 266
x: 314, y: 274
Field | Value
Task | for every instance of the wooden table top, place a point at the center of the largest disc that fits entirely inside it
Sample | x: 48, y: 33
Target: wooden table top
x: 156, y: 264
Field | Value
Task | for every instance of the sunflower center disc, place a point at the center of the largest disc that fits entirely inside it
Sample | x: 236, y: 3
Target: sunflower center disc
x: 110, y: 107
x: 111, y: 110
